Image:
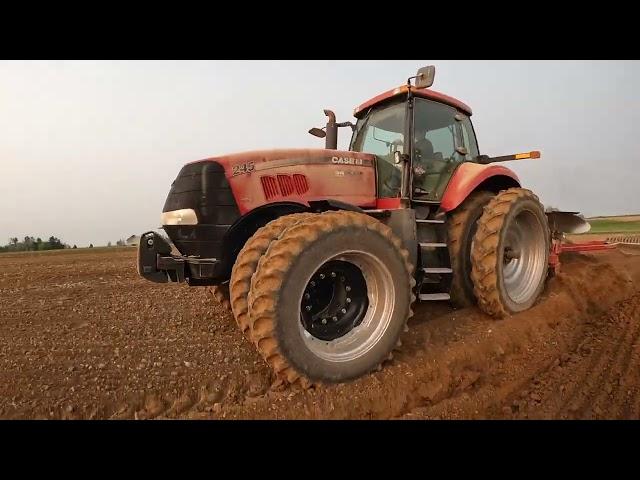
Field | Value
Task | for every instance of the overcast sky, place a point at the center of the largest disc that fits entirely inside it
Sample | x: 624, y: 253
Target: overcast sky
x: 88, y: 149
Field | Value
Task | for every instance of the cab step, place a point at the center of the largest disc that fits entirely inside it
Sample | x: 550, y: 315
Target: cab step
x: 433, y: 245
x: 430, y: 221
x: 434, y: 296
x: 437, y: 270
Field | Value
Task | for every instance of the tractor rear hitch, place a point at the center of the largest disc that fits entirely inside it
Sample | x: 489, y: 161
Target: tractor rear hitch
x: 157, y: 264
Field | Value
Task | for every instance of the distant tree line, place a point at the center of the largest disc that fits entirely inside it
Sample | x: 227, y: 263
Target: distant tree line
x: 30, y: 244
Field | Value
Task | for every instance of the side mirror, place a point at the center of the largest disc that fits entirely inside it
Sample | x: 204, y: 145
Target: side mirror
x: 425, y: 76
x: 317, y: 132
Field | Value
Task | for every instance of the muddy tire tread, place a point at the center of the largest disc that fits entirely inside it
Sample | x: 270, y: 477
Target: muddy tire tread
x: 247, y: 262
x: 484, y: 257
x: 274, y: 265
x: 457, y: 222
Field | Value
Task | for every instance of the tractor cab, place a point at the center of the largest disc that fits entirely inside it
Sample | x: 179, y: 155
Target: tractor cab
x: 418, y: 131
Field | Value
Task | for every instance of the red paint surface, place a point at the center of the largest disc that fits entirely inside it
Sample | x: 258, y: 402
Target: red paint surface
x: 354, y: 184
x: 557, y: 247
x: 423, y: 93
x: 388, y: 203
x: 466, y: 178
x: 587, y: 246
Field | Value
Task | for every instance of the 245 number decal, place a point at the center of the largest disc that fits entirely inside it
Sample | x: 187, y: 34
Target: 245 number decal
x: 243, y: 168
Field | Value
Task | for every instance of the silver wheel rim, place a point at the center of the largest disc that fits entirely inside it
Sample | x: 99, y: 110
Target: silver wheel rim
x: 523, y: 257
x: 381, y: 295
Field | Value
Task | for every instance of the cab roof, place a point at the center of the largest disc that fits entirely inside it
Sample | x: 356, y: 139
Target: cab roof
x: 418, y: 92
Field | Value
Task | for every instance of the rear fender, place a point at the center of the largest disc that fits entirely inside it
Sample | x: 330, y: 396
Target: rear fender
x: 470, y: 177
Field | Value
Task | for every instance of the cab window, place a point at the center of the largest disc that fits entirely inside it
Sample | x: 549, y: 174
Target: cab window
x: 381, y: 133
x: 469, y: 140
x: 437, y: 134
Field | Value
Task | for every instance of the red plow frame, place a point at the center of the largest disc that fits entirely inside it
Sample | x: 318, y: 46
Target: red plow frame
x: 557, y: 247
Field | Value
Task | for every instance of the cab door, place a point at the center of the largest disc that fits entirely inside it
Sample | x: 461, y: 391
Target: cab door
x: 436, y: 153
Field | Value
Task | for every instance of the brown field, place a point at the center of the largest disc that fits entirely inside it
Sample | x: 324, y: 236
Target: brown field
x: 82, y: 336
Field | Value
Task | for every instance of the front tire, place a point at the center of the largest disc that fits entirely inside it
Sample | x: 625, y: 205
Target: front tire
x: 247, y: 262
x: 510, y: 254
x: 330, y: 298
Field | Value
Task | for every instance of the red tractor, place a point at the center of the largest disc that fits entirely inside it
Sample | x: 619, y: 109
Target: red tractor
x: 321, y: 253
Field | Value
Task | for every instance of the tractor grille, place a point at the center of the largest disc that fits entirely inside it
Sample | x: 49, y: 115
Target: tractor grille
x: 286, y: 185
x: 300, y: 183
x: 203, y: 187
x: 282, y: 185
x: 269, y: 186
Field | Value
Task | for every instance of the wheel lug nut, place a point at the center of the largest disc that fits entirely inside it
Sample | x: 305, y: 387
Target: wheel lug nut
x: 313, y: 284
x: 324, y: 321
x: 322, y: 276
x: 342, y: 279
x: 333, y: 274
x: 348, y: 300
x: 347, y: 288
x: 308, y: 307
x: 344, y: 310
x: 335, y: 319
x: 307, y: 296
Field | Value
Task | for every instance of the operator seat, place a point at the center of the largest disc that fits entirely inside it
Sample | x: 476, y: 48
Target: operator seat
x: 431, y: 162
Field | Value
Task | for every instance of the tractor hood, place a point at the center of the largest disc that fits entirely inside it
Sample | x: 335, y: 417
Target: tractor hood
x: 231, y: 193
x: 299, y: 176
x: 246, y: 162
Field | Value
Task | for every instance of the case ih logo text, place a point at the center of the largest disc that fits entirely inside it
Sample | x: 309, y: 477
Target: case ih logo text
x: 347, y: 160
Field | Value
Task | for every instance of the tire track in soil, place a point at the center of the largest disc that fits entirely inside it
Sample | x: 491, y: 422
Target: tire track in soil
x: 594, y: 370
x: 589, y: 364
x: 624, y: 375
x: 521, y: 398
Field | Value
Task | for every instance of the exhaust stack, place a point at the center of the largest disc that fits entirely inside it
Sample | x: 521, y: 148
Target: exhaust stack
x: 331, y: 129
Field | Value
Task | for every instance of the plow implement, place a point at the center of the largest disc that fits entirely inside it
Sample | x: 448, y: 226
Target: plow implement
x: 563, y: 223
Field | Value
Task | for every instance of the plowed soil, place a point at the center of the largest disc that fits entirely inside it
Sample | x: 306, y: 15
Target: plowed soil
x: 82, y: 336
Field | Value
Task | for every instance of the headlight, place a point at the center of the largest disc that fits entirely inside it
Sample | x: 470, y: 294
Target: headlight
x: 185, y: 216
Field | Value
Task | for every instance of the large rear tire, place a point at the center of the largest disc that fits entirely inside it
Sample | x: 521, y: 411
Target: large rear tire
x: 510, y: 254
x: 462, y: 226
x: 247, y: 261
x: 330, y: 298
